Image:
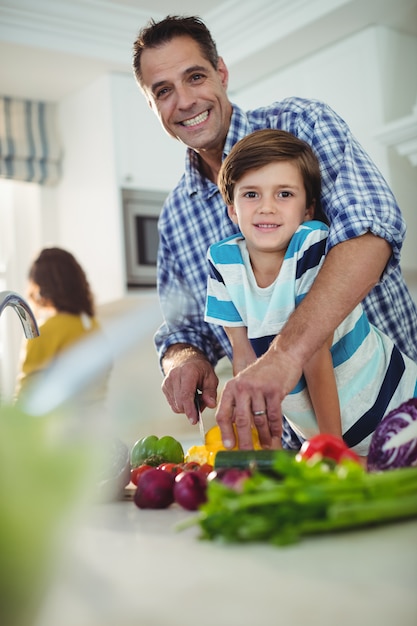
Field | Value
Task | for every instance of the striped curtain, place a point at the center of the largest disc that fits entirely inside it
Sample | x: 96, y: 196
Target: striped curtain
x: 29, y: 144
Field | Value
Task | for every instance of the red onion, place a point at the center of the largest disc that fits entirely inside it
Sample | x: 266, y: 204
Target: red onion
x: 155, y: 489
x: 190, y: 489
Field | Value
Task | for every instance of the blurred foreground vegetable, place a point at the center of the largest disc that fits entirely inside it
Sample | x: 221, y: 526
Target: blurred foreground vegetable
x: 45, y: 473
x: 304, y: 498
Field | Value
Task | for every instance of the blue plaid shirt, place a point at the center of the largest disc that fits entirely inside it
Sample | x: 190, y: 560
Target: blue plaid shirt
x: 355, y: 197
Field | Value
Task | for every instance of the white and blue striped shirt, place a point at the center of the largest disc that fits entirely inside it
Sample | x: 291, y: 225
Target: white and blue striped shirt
x: 372, y: 375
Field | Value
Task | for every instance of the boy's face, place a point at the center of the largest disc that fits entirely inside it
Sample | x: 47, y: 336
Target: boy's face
x: 187, y: 93
x: 269, y: 205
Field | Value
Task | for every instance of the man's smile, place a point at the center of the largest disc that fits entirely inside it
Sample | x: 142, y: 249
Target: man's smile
x: 198, y: 119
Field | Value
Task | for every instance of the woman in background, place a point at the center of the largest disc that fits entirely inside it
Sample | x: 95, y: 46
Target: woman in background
x: 63, y: 304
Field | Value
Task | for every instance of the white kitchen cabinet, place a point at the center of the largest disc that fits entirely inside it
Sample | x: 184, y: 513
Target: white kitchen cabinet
x: 111, y: 141
x: 146, y: 157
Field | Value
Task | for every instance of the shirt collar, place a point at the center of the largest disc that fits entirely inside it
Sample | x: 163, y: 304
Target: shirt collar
x: 239, y: 128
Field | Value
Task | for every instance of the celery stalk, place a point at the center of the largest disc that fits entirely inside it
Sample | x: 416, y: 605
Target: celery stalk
x: 304, y: 499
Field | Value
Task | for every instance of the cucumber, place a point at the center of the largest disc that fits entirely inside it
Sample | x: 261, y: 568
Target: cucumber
x: 261, y: 460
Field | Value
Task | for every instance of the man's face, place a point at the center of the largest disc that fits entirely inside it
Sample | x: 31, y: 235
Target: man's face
x: 187, y: 93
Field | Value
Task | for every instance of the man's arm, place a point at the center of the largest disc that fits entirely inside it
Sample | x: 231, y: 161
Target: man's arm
x: 187, y: 369
x: 349, y: 272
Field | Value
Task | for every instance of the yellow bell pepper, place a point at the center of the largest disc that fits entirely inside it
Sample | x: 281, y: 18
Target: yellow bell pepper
x: 207, y: 453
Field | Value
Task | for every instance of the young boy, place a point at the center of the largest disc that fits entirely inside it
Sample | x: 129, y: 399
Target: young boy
x: 271, y: 185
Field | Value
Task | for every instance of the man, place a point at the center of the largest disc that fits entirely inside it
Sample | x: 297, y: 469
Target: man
x: 185, y: 81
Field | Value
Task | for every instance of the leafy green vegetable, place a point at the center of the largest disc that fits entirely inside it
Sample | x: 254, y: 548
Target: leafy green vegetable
x: 305, y: 498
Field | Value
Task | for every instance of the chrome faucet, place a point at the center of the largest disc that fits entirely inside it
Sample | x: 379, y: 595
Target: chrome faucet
x: 23, y: 310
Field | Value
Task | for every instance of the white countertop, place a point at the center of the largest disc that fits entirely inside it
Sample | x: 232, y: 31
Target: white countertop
x: 130, y: 567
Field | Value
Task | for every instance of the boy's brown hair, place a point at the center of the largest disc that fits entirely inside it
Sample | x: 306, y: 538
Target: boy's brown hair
x: 263, y: 147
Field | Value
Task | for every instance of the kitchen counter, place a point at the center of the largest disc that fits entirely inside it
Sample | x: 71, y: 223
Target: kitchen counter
x: 127, y: 566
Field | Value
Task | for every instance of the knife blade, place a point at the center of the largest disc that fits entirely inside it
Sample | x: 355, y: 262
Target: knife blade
x: 200, y: 416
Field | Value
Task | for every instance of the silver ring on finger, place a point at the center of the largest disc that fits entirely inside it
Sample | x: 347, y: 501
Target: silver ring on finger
x: 259, y: 412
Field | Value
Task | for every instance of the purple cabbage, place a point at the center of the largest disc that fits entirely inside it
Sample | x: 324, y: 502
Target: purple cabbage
x: 394, y: 441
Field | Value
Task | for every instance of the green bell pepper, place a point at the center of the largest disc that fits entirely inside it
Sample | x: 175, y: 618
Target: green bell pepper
x: 151, y: 450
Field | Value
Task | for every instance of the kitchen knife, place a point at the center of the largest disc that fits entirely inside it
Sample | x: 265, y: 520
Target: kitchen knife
x: 200, y: 416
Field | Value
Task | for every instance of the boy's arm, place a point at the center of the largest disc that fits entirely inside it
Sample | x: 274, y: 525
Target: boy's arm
x: 321, y: 383
x: 243, y: 353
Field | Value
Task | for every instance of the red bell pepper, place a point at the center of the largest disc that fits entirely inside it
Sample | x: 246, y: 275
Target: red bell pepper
x: 329, y: 447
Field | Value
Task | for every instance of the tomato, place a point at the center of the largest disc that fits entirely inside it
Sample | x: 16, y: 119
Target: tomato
x: 172, y: 468
x: 137, y: 471
x: 206, y: 468
x: 327, y: 446
x: 191, y: 466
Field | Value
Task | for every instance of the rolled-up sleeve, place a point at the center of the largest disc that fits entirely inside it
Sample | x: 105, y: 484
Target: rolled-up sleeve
x: 182, y: 298
x: 355, y: 195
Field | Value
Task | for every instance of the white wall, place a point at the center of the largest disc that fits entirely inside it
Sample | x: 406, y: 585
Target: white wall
x: 112, y: 140
x: 88, y: 194
x: 23, y: 207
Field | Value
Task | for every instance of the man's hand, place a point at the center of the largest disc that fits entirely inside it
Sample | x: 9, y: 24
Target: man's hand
x: 254, y: 397
x: 186, y: 370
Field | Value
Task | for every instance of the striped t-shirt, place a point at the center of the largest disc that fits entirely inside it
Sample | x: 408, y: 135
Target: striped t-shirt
x: 372, y: 376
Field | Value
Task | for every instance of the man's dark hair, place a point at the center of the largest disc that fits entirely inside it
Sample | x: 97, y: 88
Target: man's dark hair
x: 156, y: 34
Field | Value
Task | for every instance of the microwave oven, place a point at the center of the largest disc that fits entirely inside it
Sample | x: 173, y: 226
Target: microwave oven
x: 141, y: 209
